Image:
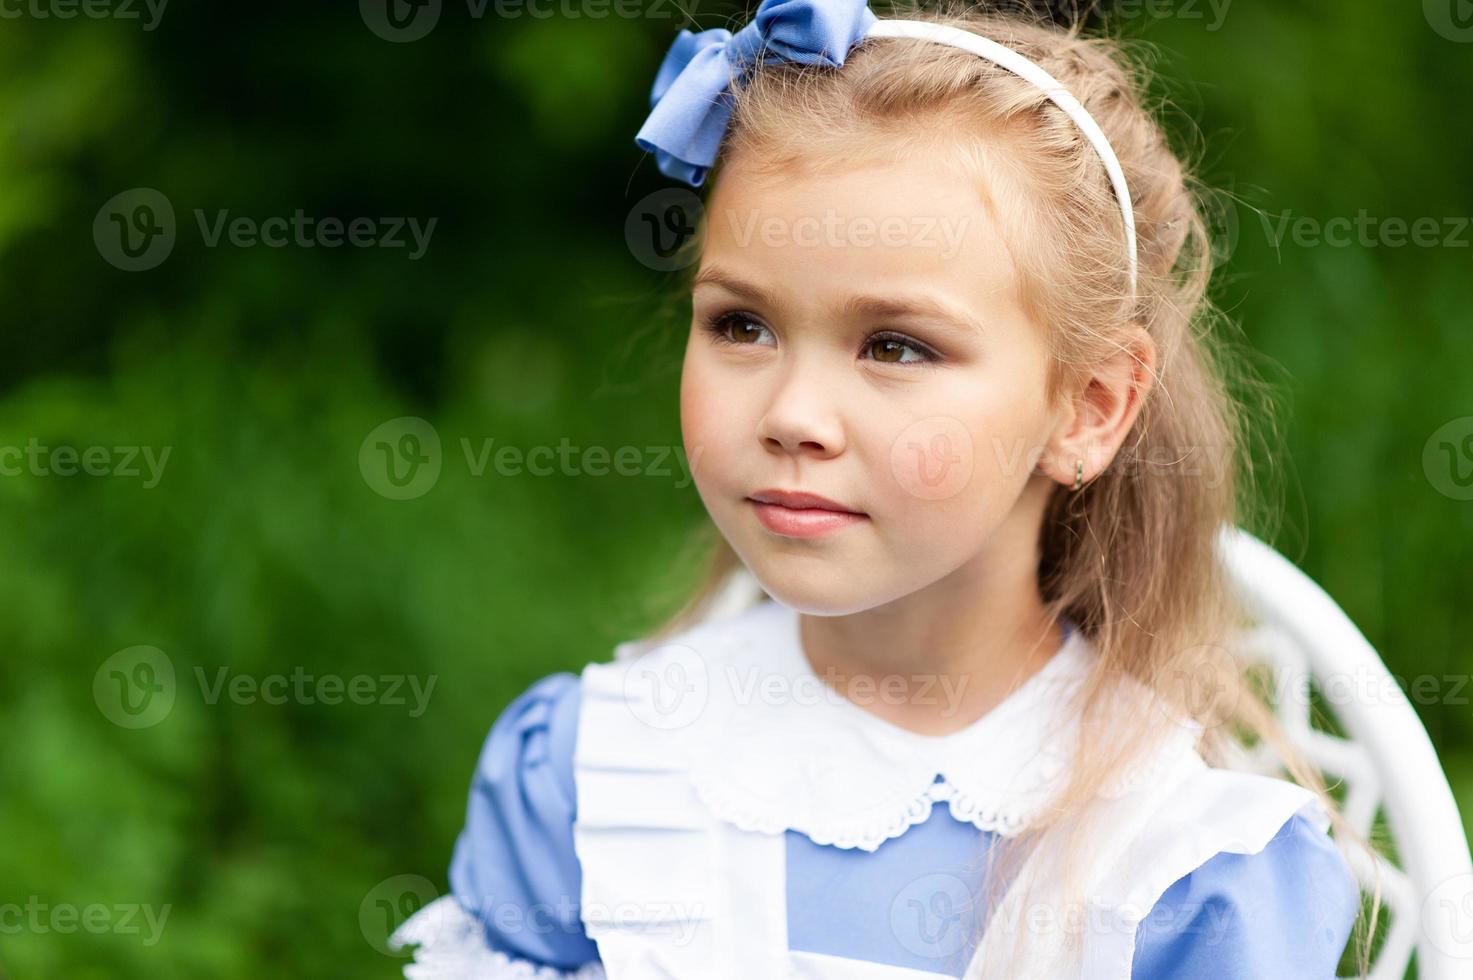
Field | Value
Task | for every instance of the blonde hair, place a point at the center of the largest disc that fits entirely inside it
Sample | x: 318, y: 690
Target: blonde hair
x: 1132, y: 557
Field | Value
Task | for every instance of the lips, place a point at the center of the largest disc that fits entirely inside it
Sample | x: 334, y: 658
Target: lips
x: 802, y: 515
x: 796, y: 500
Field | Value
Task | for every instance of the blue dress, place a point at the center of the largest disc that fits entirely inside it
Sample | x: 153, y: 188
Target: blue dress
x: 1285, y: 911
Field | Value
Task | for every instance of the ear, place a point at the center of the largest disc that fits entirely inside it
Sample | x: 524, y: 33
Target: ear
x: 1098, y: 416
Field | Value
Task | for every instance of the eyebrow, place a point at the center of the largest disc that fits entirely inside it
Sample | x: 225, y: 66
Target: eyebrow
x: 873, y: 307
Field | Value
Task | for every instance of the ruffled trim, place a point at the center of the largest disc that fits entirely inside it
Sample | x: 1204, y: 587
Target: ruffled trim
x: 452, y: 946
x: 1004, y: 821
x: 868, y: 831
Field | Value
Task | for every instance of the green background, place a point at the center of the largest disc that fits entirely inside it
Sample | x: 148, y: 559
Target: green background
x: 264, y: 550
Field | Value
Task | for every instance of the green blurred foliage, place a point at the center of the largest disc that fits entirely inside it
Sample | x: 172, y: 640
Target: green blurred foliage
x: 262, y: 549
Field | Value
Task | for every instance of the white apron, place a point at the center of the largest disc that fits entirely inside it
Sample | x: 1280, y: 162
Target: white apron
x: 693, y: 759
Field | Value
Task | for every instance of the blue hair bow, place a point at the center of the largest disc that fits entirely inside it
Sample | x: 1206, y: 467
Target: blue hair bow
x: 691, y: 106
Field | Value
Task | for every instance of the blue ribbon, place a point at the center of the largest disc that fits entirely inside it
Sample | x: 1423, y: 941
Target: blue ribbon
x: 691, y: 106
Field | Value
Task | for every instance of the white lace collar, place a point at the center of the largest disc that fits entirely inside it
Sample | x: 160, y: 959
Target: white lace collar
x: 772, y: 747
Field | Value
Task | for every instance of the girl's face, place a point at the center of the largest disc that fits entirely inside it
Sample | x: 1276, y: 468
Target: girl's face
x: 858, y: 336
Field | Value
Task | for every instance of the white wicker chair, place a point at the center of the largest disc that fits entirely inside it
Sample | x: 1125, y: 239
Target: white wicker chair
x: 1385, y: 759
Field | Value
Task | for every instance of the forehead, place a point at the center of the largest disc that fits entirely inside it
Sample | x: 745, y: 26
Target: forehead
x: 920, y: 225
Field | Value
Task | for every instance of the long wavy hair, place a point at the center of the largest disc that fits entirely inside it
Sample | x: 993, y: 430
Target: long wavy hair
x: 1132, y: 557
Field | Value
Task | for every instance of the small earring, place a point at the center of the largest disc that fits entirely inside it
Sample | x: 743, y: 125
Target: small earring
x: 1078, y: 474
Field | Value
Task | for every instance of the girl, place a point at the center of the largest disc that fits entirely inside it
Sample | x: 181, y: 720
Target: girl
x: 956, y: 416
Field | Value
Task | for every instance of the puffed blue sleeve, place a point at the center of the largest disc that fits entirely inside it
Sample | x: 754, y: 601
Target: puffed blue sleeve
x: 514, y: 879
x: 1286, y: 911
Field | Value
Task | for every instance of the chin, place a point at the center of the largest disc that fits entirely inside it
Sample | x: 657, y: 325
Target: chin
x: 815, y: 591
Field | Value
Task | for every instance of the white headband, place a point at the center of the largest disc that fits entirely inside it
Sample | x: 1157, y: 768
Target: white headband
x: 1022, y: 67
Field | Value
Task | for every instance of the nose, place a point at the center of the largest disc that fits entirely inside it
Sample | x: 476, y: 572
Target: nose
x: 802, y: 416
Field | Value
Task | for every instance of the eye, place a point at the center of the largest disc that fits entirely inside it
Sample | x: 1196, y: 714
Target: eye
x: 736, y: 328
x: 889, y: 348
x: 728, y: 327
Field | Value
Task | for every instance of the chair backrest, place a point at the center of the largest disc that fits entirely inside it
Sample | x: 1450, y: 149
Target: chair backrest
x: 1384, y: 758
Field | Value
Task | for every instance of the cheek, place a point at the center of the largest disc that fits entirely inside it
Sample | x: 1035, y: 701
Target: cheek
x: 933, y: 459
x: 960, y: 457
x: 707, y: 411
